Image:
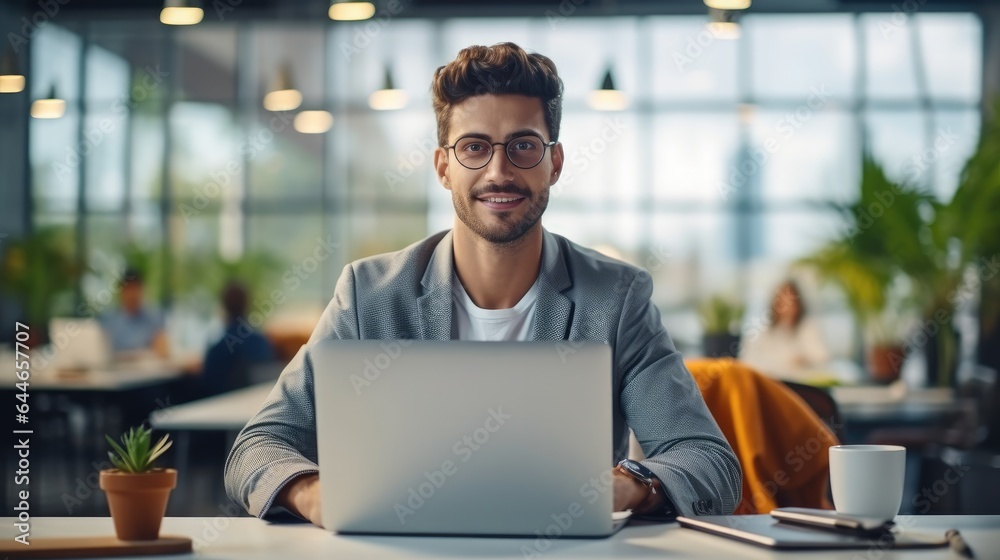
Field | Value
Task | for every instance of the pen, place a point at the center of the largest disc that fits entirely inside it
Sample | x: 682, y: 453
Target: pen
x: 957, y: 543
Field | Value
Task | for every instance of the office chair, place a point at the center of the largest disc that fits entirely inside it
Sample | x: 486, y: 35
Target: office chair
x: 820, y: 401
x: 780, y: 441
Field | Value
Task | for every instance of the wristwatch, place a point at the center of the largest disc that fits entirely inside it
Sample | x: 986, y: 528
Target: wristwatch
x: 638, y: 472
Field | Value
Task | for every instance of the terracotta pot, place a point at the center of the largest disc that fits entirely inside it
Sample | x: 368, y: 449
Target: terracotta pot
x: 885, y: 362
x: 138, y: 501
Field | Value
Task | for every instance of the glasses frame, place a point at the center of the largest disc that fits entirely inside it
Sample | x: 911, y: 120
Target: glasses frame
x: 506, y: 147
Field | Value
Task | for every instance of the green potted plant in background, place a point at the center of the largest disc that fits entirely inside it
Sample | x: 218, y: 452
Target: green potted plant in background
x: 977, y: 207
x: 721, y: 318
x: 894, y: 249
x: 200, y: 276
x: 901, y: 235
x: 137, y: 493
x: 40, y: 271
x: 886, y: 348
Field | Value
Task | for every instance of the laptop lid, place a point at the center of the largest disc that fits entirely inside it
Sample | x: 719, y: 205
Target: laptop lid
x: 465, y: 438
x: 79, y: 343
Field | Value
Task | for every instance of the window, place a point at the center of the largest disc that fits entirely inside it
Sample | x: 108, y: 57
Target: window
x: 715, y: 178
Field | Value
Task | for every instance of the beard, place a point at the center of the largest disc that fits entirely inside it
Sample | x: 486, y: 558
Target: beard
x: 508, y: 226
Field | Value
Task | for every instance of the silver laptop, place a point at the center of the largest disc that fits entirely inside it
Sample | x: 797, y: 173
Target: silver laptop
x: 79, y: 344
x: 465, y: 438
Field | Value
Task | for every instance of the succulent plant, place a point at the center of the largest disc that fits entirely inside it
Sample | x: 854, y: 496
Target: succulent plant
x: 134, y: 454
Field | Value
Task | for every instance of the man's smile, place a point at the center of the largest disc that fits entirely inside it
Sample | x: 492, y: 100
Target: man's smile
x: 501, y: 201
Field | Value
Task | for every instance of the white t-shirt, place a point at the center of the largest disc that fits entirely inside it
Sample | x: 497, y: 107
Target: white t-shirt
x: 476, y: 323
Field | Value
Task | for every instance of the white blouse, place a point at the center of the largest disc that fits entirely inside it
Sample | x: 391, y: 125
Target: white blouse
x: 785, y: 352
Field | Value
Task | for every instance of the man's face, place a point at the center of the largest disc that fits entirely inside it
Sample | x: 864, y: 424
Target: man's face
x: 475, y: 192
x: 132, y: 296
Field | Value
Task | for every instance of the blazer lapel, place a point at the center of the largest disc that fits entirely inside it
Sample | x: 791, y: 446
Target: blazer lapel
x: 434, y: 307
x: 553, y: 309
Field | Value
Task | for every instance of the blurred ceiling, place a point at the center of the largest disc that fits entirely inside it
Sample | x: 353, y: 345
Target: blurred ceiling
x: 313, y: 9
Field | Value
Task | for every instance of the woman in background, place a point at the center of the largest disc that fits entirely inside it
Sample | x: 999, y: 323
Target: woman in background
x: 791, y: 344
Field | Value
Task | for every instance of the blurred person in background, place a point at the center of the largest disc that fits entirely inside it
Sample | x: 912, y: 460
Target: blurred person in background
x: 228, y: 361
x: 134, y: 329
x: 791, y: 344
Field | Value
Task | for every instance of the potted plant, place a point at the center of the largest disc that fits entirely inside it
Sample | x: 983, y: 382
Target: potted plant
x: 721, y: 319
x: 40, y: 271
x: 898, y: 247
x: 977, y: 206
x: 886, y: 349
x: 137, y: 492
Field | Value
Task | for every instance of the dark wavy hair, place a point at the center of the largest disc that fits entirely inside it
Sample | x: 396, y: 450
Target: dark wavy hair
x: 504, y: 68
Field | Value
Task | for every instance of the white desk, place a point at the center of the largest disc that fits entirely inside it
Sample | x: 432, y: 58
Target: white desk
x: 875, y: 403
x: 249, y: 538
x: 112, y: 379
x: 226, y: 412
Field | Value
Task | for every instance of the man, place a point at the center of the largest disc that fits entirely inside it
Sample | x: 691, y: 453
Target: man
x: 134, y: 329
x: 228, y: 361
x: 498, y: 275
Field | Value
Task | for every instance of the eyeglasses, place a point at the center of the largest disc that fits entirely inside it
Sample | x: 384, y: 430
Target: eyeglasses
x: 524, y: 152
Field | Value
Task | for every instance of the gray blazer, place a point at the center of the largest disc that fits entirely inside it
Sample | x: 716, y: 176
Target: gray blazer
x: 583, y: 296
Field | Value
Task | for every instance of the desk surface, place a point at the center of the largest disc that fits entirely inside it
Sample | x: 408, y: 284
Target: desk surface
x: 250, y: 538
x: 872, y: 403
x: 115, y: 378
x: 228, y: 411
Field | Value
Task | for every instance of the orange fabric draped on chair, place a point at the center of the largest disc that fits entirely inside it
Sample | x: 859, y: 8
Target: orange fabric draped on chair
x: 781, y: 443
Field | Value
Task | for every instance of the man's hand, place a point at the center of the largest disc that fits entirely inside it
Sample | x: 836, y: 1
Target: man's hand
x: 629, y: 493
x: 301, y: 497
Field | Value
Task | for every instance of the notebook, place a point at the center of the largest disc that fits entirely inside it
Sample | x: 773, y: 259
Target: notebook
x: 764, y: 530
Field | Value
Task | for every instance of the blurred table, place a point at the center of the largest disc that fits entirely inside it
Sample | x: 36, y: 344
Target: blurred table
x: 896, y: 404
x: 113, y: 378
x: 72, y: 411
x: 112, y: 396
x: 226, y: 412
x: 225, y: 536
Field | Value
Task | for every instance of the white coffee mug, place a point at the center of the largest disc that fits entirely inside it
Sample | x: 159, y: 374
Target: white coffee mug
x: 867, y: 480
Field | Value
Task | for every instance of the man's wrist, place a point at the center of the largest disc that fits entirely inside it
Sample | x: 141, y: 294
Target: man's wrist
x: 296, y: 497
x: 652, y: 503
x: 654, y: 500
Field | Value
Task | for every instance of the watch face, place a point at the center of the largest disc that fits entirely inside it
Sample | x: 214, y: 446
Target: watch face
x: 637, y: 471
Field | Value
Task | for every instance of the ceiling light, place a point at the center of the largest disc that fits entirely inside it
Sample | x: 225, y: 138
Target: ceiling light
x: 11, y: 79
x: 181, y: 12
x: 283, y: 96
x: 608, y: 98
x: 313, y: 122
x: 351, y: 11
x: 50, y: 107
x: 728, y: 4
x: 724, y: 24
x: 388, y: 98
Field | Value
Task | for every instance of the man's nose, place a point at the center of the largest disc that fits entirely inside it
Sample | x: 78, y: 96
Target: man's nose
x: 499, y: 170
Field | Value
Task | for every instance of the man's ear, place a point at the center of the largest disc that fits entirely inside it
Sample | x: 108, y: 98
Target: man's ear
x: 557, y: 163
x: 441, y: 167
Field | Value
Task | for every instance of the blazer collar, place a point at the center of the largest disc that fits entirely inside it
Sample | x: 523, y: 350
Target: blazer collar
x: 434, y: 307
x: 553, y: 308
